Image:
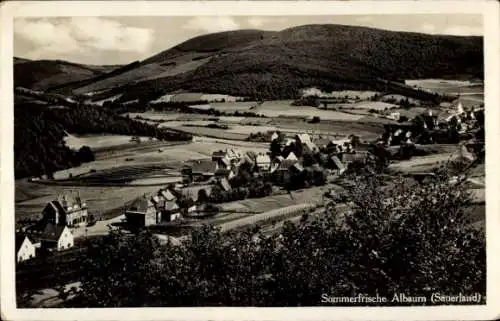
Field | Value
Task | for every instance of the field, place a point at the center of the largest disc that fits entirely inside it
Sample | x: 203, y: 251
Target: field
x: 101, y: 200
x: 365, y: 126
x: 96, y: 142
x: 350, y: 94
x: 471, y: 93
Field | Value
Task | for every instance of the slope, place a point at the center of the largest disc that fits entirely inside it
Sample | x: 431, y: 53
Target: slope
x: 277, y: 64
x: 43, y: 74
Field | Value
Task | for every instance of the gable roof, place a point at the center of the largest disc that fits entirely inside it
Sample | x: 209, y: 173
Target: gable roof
x: 303, y: 137
x: 279, y: 159
x: 224, y: 183
x: 20, y: 237
x: 286, y: 164
x: 68, y: 200
x: 336, y: 161
x: 140, y: 204
x: 53, y: 232
x: 171, y: 206
x: 263, y: 159
x: 298, y: 167
x: 167, y: 195
x: 204, y: 167
x: 292, y: 157
x: 350, y: 157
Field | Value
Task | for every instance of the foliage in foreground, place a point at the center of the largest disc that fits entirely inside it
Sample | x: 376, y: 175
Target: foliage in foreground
x: 398, y: 238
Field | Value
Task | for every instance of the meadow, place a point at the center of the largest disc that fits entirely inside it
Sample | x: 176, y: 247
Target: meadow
x: 96, y: 142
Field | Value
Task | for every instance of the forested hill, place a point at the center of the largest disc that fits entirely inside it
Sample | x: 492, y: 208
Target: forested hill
x: 39, y: 135
x: 43, y: 74
x: 277, y: 64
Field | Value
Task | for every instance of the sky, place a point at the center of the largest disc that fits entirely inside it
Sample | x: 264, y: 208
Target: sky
x: 120, y: 40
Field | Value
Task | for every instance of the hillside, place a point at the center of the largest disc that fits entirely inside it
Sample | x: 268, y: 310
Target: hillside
x: 44, y: 74
x: 278, y: 64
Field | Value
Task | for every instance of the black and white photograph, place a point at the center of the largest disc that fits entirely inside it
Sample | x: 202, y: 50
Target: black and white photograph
x: 249, y: 160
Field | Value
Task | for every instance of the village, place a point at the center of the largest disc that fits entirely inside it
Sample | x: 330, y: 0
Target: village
x: 292, y: 163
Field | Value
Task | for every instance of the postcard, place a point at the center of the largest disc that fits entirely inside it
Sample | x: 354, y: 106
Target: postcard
x: 234, y: 160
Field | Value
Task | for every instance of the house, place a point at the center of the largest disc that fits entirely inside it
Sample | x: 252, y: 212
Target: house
x: 276, y: 163
x: 263, y: 162
x: 202, y: 170
x: 274, y: 136
x: 224, y: 163
x: 67, y: 210
x: 142, y: 212
x: 218, y: 155
x: 170, y: 211
x: 336, y: 164
x: 25, y: 249
x: 167, y: 194
x: 233, y: 155
x: 348, y: 158
x: 56, y: 237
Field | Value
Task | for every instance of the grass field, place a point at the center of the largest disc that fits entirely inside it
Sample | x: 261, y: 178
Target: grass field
x: 350, y: 94
x: 96, y: 142
x: 471, y: 93
x: 264, y: 204
x: 101, y: 200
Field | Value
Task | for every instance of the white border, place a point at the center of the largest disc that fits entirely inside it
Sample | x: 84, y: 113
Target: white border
x: 490, y: 11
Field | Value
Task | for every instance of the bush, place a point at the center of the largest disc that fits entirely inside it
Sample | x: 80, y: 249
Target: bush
x: 315, y: 120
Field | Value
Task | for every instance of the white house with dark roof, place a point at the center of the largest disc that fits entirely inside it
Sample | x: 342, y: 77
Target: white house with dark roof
x: 292, y: 157
x: 67, y: 209
x: 55, y: 237
x: 263, y: 162
x: 25, y: 248
x: 142, y: 212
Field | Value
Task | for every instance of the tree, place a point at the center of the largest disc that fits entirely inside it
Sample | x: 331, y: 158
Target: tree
x: 85, y: 154
x: 275, y: 148
x: 412, y: 239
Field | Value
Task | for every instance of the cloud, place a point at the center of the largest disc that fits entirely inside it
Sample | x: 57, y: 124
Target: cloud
x: 258, y: 22
x: 454, y: 30
x: 463, y: 31
x: 68, y: 35
x: 428, y: 28
x: 211, y: 24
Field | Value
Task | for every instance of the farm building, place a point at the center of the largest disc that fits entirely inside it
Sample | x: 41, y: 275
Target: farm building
x: 25, y: 249
x: 142, y: 212
x: 66, y: 210
x: 203, y: 169
x: 55, y: 238
x: 348, y: 158
x: 170, y: 211
x: 263, y: 162
x: 217, y: 155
